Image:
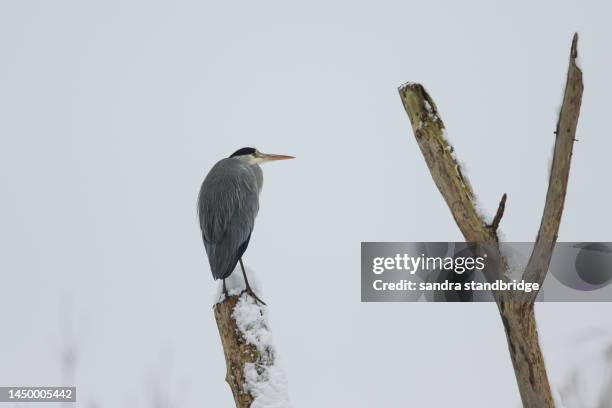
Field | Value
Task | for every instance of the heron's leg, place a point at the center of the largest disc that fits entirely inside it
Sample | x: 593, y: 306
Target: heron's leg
x: 248, y: 287
x: 225, y: 289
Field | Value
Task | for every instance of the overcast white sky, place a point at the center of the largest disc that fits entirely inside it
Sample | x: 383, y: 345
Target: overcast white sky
x: 113, y: 112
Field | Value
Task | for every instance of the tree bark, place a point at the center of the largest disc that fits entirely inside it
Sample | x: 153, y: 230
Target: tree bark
x: 527, y: 358
x: 516, y: 310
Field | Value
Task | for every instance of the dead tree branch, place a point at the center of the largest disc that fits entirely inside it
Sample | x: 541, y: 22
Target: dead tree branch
x: 517, y: 312
x: 557, y: 185
x: 440, y: 158
x: 500, y: 213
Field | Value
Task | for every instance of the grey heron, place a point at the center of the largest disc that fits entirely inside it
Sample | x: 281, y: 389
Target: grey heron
x: 227, y: 206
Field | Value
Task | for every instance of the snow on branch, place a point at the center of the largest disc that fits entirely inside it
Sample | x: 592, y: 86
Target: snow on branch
x: 253, y: 372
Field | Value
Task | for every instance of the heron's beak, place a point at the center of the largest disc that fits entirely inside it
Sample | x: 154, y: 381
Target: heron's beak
x: 273, y: 157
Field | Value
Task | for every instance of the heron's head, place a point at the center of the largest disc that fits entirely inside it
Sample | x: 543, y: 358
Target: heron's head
x: 254, y: 156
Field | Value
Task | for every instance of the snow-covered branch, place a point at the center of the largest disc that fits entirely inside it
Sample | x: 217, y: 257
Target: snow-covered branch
x: 253, y: 372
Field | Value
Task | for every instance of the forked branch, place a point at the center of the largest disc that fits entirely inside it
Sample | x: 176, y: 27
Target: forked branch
x: 517, y: 311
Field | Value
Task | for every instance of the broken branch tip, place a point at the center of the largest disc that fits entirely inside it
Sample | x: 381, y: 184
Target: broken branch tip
x: 574, y: 50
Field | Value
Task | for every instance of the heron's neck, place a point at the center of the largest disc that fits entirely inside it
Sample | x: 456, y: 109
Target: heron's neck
x: 247, y: 160
x: 258, y: 176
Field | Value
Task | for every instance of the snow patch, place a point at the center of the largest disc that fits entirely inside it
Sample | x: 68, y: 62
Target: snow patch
x: 252, y: 322
x: 431, y: 113
x: 265, y: 379
x: 268, y: 386
x: 405, y: 85
x: 235, y: 284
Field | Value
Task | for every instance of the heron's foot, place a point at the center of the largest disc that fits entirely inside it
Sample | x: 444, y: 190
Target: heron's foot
x: 250, y: 292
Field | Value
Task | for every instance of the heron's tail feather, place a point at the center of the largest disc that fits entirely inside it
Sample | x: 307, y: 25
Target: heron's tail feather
x: 225, y: 254
x: 222, y: 262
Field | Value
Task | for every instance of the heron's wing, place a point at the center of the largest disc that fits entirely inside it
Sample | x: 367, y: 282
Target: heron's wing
x: 227, y: 206
x: 229, y: 194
